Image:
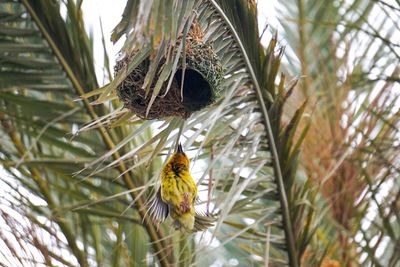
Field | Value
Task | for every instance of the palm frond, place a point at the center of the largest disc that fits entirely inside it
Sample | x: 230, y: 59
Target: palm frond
x: 339, y: 48
x: 38, y: 117
x: 236, y: 127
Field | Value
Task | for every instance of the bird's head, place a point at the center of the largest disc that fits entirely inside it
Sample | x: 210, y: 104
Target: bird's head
x: 180, y: 158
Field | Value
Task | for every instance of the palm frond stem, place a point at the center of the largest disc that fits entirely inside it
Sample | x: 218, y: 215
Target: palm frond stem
x: 156, y: 237
x: 286, y: 220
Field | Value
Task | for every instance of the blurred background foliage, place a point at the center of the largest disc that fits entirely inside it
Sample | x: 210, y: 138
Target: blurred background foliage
x: 299, y: 158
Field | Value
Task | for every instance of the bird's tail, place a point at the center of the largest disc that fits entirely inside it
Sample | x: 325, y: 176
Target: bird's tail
x: 203, y: 221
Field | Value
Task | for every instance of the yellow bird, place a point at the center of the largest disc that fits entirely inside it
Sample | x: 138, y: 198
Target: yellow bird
x: 177, y: 196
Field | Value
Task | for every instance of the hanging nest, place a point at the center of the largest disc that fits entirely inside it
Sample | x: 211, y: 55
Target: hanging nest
x: 202, y: 78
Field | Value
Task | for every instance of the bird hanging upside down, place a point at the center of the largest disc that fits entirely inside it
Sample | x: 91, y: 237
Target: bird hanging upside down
x: 177, y: 196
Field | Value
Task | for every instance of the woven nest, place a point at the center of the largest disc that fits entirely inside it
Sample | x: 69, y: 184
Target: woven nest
x: 201, y: 87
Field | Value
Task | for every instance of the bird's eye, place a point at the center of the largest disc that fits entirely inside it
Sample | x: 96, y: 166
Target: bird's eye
x: 176, y: 168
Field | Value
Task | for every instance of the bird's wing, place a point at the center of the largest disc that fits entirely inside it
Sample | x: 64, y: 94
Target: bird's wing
x: 157, y: 208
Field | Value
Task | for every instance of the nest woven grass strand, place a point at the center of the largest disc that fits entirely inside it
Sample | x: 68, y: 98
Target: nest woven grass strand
x: 130, y: 92
x: 201, y: 85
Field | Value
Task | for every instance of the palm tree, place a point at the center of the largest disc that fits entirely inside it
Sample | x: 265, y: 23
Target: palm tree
x: 348, y: 54
x: 80, y: 166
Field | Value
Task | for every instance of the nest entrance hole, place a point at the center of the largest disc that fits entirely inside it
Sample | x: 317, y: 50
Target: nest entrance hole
x: 196, y: 90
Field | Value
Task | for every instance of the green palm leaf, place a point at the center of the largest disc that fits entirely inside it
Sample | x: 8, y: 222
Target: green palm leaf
x: 250, y: 80
x: 231, y: 135
x: 339, y: 47
x: 81, y: 172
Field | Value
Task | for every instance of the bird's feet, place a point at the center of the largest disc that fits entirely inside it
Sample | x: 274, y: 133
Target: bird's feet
x: 185, y: 204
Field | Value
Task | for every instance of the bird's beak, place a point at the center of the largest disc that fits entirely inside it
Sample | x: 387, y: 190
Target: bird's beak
x: 179, y: 150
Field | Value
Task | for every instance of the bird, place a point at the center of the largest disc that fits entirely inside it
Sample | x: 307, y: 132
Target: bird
x: 177, y: 196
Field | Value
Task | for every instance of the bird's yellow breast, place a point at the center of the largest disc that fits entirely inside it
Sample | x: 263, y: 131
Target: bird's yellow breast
x: 177, y: 183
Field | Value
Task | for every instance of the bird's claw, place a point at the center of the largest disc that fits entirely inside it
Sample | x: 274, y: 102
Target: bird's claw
x: 185, y: 205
